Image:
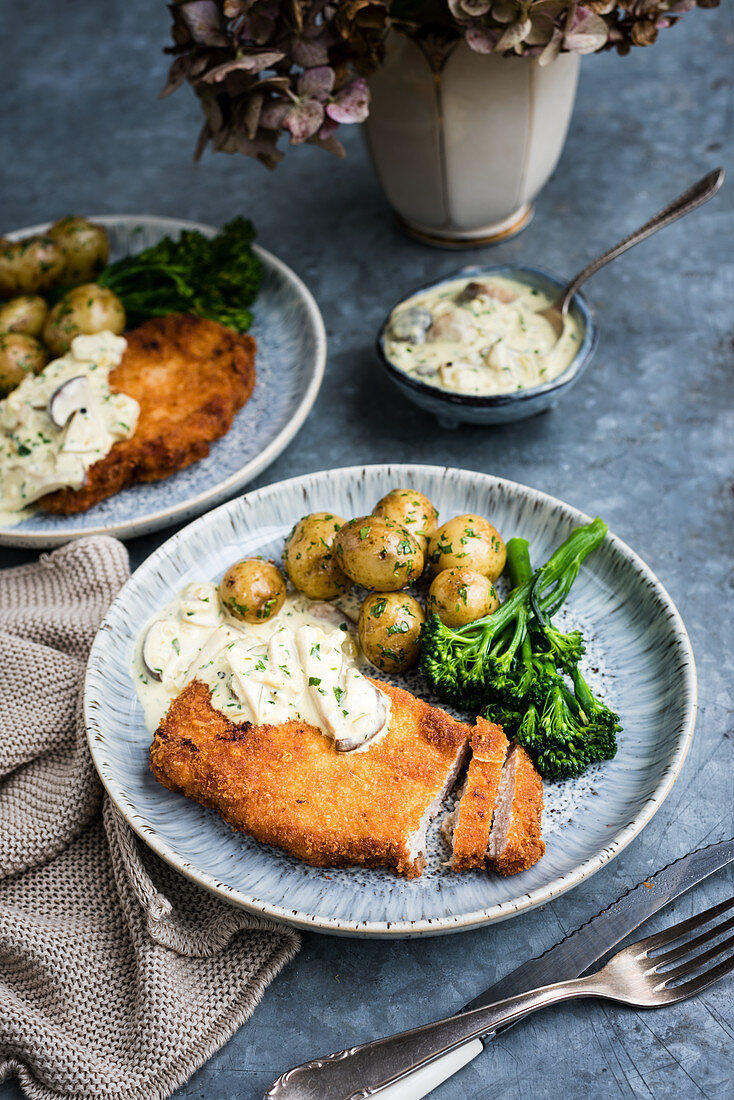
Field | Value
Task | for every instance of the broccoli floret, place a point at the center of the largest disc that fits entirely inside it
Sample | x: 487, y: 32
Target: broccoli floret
x: 561, y: 739
x: 218, y: 278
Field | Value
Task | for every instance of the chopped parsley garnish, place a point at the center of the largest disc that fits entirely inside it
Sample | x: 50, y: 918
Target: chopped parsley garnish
x: 398, y: 628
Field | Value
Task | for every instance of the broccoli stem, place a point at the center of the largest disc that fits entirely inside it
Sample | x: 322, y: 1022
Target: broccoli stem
x: 521, y: 571
x: 518, y: 561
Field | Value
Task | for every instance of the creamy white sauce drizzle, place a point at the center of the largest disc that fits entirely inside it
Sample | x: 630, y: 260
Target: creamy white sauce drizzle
x: 492, y: 342
x: 300, y: 665
x: 38, y: 455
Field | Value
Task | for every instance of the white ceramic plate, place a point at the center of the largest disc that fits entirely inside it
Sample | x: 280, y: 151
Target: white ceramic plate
x: 290, y: 364
x: 639, y: 658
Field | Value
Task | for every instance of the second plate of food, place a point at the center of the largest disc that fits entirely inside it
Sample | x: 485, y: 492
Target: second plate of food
x: 638, y: 660
x: 289, y: 367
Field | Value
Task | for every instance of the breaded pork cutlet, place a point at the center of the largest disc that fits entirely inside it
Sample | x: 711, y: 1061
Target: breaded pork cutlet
x: 515, y: 843
x: 287, y: 785
x: 190, y: 376
x: 468, y: 827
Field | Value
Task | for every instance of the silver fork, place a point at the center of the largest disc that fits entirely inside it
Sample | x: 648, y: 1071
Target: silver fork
x: 642, y: 975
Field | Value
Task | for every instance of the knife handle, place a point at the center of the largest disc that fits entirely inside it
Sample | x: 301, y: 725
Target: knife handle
x: 365, y: 1070
x: 423, y: 1081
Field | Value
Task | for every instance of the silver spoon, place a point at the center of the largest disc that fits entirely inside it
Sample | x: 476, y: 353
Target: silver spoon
x: 695, y: 196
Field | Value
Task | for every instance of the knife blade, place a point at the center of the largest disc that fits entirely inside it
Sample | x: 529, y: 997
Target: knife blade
x: 573, y: 955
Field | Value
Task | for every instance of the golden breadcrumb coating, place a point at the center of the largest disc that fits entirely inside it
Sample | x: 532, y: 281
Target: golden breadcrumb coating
x: 287, y: 785
x: 476, y: 808
x: 190, y: 376
x: 523, y: 846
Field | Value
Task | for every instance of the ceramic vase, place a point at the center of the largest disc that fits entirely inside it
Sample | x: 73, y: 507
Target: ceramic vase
x: 462, y: 144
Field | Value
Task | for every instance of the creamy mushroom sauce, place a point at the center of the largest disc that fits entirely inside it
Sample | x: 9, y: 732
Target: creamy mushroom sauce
x: 301, y: 665
x: 38, y: 456
x: 479, y: 336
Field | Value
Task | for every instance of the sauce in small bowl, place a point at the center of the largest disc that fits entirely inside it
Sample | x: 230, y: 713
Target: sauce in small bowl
x: 470, y: 347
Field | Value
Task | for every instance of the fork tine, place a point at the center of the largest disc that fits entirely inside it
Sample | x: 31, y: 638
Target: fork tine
x: 697, y: 985
x: 696, y: 962
x: 678, y: 930
x: 689, y: 945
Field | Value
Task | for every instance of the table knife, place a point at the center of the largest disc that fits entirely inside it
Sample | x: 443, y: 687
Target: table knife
x: 568, y: 959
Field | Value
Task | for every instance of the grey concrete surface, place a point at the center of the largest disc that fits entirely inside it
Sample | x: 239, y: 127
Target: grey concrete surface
x: 645, y: 440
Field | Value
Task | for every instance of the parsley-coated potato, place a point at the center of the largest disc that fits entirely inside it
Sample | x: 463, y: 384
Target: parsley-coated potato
x: 23, y: 314
x: 29, y: 266
x: 310, y: 560
x: 459, y: 596
x: 84, y: 309
x: 378, y: 553
x: 389, y: 630
x: 85, y: 246
x: 20, y: 355
x: 469, y: 541
x: 412, y: 511
x: 252, y: 590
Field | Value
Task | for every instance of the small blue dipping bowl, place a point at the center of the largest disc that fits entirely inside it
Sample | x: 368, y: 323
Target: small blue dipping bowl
x: 453, y: 409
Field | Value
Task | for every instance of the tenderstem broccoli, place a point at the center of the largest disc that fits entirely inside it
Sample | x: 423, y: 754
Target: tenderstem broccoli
x: 515, y: 664
x: 216, y: 278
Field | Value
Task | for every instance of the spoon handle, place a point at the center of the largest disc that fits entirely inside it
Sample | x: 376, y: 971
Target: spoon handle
x: 695, y: 196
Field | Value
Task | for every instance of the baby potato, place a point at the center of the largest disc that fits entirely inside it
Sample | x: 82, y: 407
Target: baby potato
x: 29, y: 266
x: 310, y: 560
x: 389, y: 630
x: 378, y: 553
x: 20, y: 355
x: 23, y: 314
x: 412, y: 511
x: 87, y: 309
x: 470, y: 541
x: 85, y: 246
x: 252, y: 590
x: 459, y: 596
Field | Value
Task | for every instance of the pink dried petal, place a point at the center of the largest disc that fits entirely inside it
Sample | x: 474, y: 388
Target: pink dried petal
x: 254, y: 62
x: 310, y: 51
x: 352, y: 104
x: 480, y: 39
x: 273, y: 113
x: 303, y: 119
x: 317, y: 83
x: 587, y: 34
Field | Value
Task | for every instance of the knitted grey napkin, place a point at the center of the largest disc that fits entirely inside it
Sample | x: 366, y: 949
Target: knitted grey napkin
x: 118, y: 977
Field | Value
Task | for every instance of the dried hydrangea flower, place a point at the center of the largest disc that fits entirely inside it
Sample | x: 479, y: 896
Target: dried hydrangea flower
x: 262, y: 68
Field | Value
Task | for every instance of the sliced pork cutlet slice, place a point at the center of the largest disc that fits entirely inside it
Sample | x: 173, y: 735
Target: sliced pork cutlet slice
x: 515, y: 843
x: 468, y: 827
x: 287, y: 785
x: 190, y: 376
